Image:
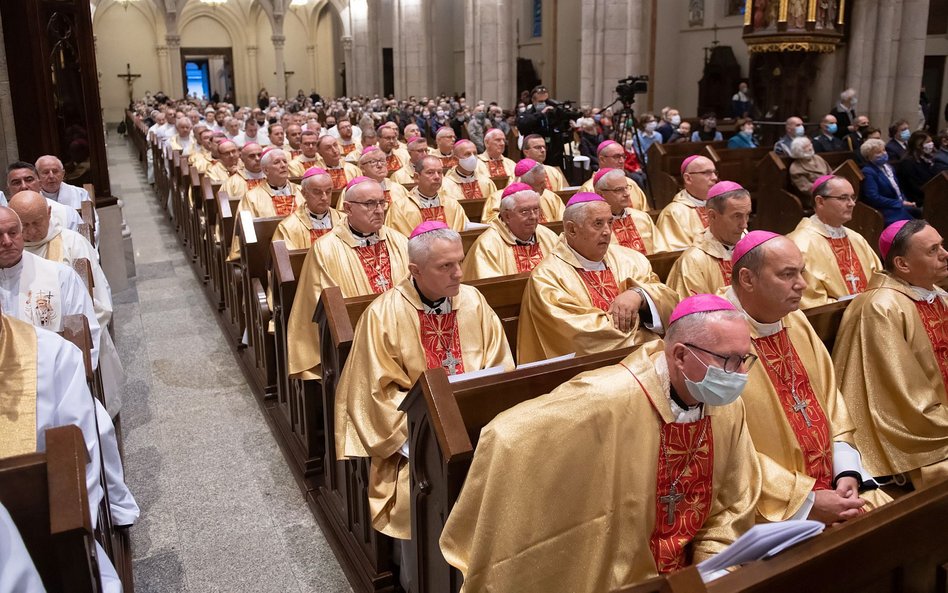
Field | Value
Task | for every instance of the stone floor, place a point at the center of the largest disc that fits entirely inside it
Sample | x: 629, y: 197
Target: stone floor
x: 220, y: 509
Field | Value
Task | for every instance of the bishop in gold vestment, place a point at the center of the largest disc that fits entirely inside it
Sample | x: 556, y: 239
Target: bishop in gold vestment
x: 429, y: 200
x: 631, y: 227
x: 314, y: 218
x: 532, y: 174
x: 249, y: 176
x: 493, y: 163
x: 686, y: 217
x: 466, y: 181
x: 611, y: 156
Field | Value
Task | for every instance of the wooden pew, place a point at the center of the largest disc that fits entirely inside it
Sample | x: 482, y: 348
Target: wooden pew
x: 773, y: 174
x: 664, y: 168
x: 87, y: 213
x: 469, y: 237
x: 196, y: 209
x: 473, y: 208
x: 230, y: 275
x: 737, y: 164
x: 936, y: 202
x: 210, y: 230
x: 45, y: 494
x: 500, y: 182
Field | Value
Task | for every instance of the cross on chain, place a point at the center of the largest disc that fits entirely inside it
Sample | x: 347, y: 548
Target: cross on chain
x: 800, y: 405
x: 671, y: 501
x: 450, y: 364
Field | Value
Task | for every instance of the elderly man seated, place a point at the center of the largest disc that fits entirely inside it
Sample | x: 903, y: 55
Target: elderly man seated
x: 807, y: 167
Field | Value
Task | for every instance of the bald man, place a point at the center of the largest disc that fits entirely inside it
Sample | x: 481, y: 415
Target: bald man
x: 51, y: 173
x: 227, y: 165
x: 493, y: 163
x: 247, y: 177
x: 466, y: 181
x: 682, y: 221
x: 24, y: 176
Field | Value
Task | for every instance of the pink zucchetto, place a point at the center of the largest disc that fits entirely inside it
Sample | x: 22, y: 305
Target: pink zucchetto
x: 888, y: 236
x: 604, y: 145
x: 524, y: 166
x: 369, y: 149
x: 700, y: 303
x: 427, y: 227
x: 514, y: 188
x: 413, y: 139
x: 750, y: 241
x: 358, y: 180
x: 583, y: 197
x: 269, y: 149
x: 820, y: 181
x: 598, y: 175
x: 688, y: 161
x: 722, y: 187
x: 313, y: 171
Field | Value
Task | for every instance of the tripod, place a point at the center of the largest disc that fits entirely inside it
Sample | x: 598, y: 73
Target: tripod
x: 624, y: 124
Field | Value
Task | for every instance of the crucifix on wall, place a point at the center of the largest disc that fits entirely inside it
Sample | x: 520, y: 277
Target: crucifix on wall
x: 130, y: 81
x: 286, y: 81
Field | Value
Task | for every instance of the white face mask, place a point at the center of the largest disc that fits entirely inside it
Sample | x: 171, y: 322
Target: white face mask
x: 650, y: 126
x: 676, y: 120
x: 717, y: 388
x: 468, y: 163
x: 799, y: 130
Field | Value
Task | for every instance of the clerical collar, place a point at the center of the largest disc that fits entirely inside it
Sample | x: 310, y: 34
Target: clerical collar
x: 285, y: 190
x: 763, y: 329
x: 531, y: 241
x: 695, y: 201
x: 588, y: 264
x: 51, y: 196
x: 12, y: 272
x: 252, y: 175
x: 621, y: 215
x: 834, y: 232
x: 679, y: 409
x: 427, y: 198
x: 366, y: 239
x: 462, y: 175
x: 926, y: 295
x: 441, y: 306
x: 316, y: 216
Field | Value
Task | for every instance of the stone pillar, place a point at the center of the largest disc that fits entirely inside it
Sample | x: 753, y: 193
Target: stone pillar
x: 176, y: 79
x: 280, y: 67
x: 254, y: 69
x: 613, y: 47
x: 364, y: 59
x: 490, y: 53
x: 412, y: 54
x: 313, y: 66
x: 164, y: 76
x: 348, y: 61
x: 910, y: 62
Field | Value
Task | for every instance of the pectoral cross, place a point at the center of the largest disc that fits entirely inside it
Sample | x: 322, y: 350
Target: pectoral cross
x: 671, y: 501
x: 852, y: 279
x: 450, y: 363
x: 381, y: 282
x: 130, y: 81
x: 800, y: 405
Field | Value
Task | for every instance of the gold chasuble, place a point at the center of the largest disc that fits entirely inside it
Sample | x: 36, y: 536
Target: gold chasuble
x: 630, y: 489
x: 475, y: 187
x: 405, y: 215
x: 265, y: 202
x: 200, y: 160
x: 637, y: 196
x: 634, y: 229
x: 682, y: 221
x: 555, y: 180
x: 551, y: 207
x: 891, y: 354
x: 796, y: 416
x: 217, y: 172
x: 393, y: 193
x: 502, y: 167
x: 301, y: 229
x: 358, y: 266
x: 564, y: 307
x: 839, y: 262
x: 705, y: 267
x: 17, y: 387
x: 238, y: 184
x: 497, y: 252
x: 385, y: 361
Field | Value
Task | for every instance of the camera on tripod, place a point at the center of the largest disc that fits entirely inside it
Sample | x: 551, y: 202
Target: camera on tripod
x: 631, y: 86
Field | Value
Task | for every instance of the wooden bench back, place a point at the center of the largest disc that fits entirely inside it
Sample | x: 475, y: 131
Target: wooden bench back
x: 936, y: 202
x: 738, y: 164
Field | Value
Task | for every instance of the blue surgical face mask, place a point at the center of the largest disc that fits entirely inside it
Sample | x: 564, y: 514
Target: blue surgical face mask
x: 904, y: 135
x: 881, y: 159
x: 541, y: 105
x: 717, y: 388
x: 832, y: 128
x: 676, y: 120
x: 799, y: 130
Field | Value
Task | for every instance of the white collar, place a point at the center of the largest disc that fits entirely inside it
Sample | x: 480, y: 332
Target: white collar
x: 835, y: 232
x: 926, y: 295
x: 695, y: 201
x: 763, y: 329
x: 13, y: 271
x: 588, y: 264
x: 682, y: 416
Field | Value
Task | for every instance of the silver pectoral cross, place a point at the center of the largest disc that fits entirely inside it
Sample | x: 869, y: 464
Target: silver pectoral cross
x: 671, y: 501
x: 381, y: 282
x: 800, y: 406
x: 450, y: 363
x: 852, y: 279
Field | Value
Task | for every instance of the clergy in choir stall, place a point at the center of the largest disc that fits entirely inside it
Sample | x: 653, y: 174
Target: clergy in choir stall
x: 839, y: 261
x: 395, y: 157
x: 612, y: 156
x: 16, y: 565
x: 417, y: 149
x: 534, y: 147
x: 681, y: 504
x: 686, y: 216
x: 631, y: 227
x: 294, y: 140
x: 535, y: 175
x: 493, y: 163
x: 465, y: 181
x: 705, y: 267
x: 51, y: 173
x: 201, y: 159
x: 228, y: 163
x: 182, y: 140
x: 44, y: 237
x: 797, y: 418
x: 23, y: 176
x: 515, y: 242
x: 360, y: 256
x: 372, y: 164
x: 590, y: 295
x: 341, y: 172
x: 347, y: 143
x: 44, y: 385
x: 315, y: 217
x: 308, y: 157
x: 428, y: 320
x: 247, y: 177
x: 891, y: 356
x: 428, y: 200
x: 444, y: 149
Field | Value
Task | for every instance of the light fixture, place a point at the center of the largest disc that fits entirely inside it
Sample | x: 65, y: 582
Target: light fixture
x: 125, y: 3
x: 214, y: 2
x: 298, y: 3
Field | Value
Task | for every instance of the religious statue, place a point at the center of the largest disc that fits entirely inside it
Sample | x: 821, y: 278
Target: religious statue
x: 796, y: 16
x: 760, y: 15
x: 696, y: 13
x: 773, y: 13
x: 826, y: 14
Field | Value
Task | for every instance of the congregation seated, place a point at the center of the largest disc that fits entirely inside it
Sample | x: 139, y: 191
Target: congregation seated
x: 589, y: 137
x: 899, y: 135
x: 828, y: 139
x: 806, y: 166
x: 880, y: 187
x: 745, y: 135
x: 709, y: 129
x: 590, y: 295
x: 611, y: 155
x: 631, y: 227
x: 671, y: 119
x: 916, y: 167
x: 22, y: 176
x: 800, y: 426
x: 854, y: 139
x: 838, y: 260
x: 793, y: 129
x: 583, y: 522
x: 681, y: 134
x: 845, y: 113
x: 315, y: 217
x: 646, y: 136
x: 891, y: 356
x: 686, y: 216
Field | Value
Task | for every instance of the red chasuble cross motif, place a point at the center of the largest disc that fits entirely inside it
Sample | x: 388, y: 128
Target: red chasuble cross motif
x: 527, y: 257
x: 434, y: 213
x: 317, y: 233
x: 393, y: 163
x: 496, y: 168
x: 849, y: 265
x: 448, y: 161
x: 726, y: 267
x: 803, y: 411
x: 347, y: 148
x: 627, y: 235
x: 601, y: 286
x: 338, y: 176
x: 441, y: 341
x: 935, y: 319
x: 376, y: 265
x: 284, y: 205
x: 471, y: 190
x: 703, y: 215
x: 252, y: 183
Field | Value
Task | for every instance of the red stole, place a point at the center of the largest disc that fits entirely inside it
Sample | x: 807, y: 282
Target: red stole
x: 284, y: 205
x: 804, y: 413
x: 627, y: 235
x: 252, y: 183
x: 393, y: 164
x: 726, y: 267
x: 338, y: 176
x: 316, y: 233
x: 441, y: 341
x: 295, y: 153
x: 448, y: 161
x: 376, y: 265
x: 934, y: 316
x: 703, y: 215
x: 388, y: 195
x: 527, y: 257
x: 347, y: 148
x: 496, y: 168
x: 849, y: 265
x: 434, y: 213
x: 601, y: 286
x: 471, y: 190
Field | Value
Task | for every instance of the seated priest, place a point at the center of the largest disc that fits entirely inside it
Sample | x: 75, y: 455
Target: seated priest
x: 535, y: 175
x: 417, y: 149
x: 395, y: 157
x: 24, y: 176
x: 247, y: 177
x: 631, y: 227
x: 797, y: 418
x: 51, y: 174
x: 360, y: 256
x: 372, y: 165
x: 308, y: 157
x: 341, y: 172
x: 314, y: 218
x: 428, y: 200
x: 838, y: 260
x: 534, y: 148
x: 493, y: 163
x: 891, y: 356
x: 686, y: 216
x: 633, y: 507
x: 444, y: 149
x: 428, y: 320
x: 705, y: 267
x: 515, y: 241
x: 348, y: 143
x: 201, y: 159
x: 611, y: 155
x: 228, y: 162
x: 182, y: 139
x: 590, y: 295
x: 466, y: 181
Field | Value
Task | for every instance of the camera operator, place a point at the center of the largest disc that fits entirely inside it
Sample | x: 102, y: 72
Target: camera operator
x: 537, y: 119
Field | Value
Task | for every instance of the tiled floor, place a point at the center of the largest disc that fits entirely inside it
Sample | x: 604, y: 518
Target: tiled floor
x: 220, y: 510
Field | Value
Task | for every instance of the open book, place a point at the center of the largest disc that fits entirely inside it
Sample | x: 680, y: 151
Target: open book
x: 761, y: 541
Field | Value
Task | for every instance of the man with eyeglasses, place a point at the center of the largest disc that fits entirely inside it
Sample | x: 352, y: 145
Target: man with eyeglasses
x: 515, y: 242
x: 797, y: 418
x: 360, y: 256
x: 445, y: 139
x: 686, y: 216
x: 23, y: 176
x: 654, y: 467
x: 535, y: 148
x: 395, y: 157
x: 428, y: 200
x: 631, y: 227
x: 590, y: 294
x: 612, y: 156
x: 417, y: 150
x: 308, y: 157
x: 839, y: 261
x: 705, y: 267
x: 373, y: 165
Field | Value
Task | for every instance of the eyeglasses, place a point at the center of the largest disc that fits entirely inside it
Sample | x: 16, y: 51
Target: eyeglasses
x: 374, y: 162
x: 527, y: 211
x: 618, y: 190
x: 842, y: 198
x: 709, y: 172
x: 731, y: 364
x: 373, y: 205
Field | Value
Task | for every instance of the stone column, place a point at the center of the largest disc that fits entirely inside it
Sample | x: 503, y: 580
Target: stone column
x: 348, y: 61
x: 280, y: 67
x: 490, y: 53
x: 313, y: 66
x: 254, y: 70
x: 164, y: 75
x: 412, y: 53
x: 910, y: 62
x: 613, y: 46
x: 176, y: 80
x: 363, y: 61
